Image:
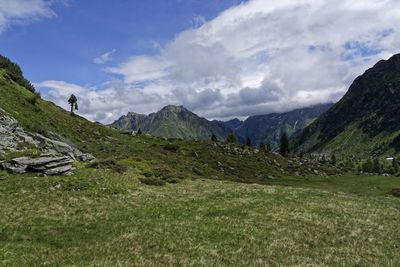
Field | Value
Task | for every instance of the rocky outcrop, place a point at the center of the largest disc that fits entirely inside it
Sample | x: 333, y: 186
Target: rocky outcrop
x: 57, y: 156
x: 12, y: 136
x: 46, y: 164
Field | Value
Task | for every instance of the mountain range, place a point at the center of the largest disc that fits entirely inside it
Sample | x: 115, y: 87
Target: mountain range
x: 179, y: 122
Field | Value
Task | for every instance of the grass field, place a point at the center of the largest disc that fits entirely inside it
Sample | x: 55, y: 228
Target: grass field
x: 102, y: 218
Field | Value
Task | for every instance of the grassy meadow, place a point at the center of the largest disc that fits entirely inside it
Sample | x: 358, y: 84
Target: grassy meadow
x: 102, y: 218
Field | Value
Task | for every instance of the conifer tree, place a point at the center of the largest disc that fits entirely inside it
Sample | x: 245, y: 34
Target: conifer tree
x: 73, y: 101
x: 231, y: 138
x: 248, y: 142
x: 214, y: 138
x: 284, y: 145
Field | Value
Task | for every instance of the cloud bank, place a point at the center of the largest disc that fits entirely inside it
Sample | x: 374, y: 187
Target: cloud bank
x: 258, y: 57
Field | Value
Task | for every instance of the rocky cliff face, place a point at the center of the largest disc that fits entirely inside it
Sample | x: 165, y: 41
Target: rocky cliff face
x: 369, y: 111
x: 269, y: 128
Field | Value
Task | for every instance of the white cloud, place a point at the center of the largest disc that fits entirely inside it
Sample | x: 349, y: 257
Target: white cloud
x: 141, y: 69
x: 104, y: 58
x: 23, y: 11
x: 263, y: 56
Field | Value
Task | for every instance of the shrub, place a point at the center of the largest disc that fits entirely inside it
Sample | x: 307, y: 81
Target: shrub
x: 171, y: 147
x: 33, y: 99
x: 15, y: 73
x: 395, y: 192
x: 152, y: 181
x: 197, y: 171
x: 172, y: 180
x: 231, y: 138
x: 111, y: 164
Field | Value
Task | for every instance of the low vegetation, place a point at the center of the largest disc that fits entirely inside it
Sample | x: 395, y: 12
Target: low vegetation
x: 100, y: 217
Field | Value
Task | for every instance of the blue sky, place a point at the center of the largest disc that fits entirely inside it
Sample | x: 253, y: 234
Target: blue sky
x: 219, y: 58
x: 63, y: 47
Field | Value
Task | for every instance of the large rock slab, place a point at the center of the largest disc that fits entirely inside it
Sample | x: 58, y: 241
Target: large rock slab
x: 38, y: 161
x: 58, y: 170
x: 47, y: 165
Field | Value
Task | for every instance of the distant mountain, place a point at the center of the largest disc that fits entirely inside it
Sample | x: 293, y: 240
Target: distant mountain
x: 178, y: 122
x: 365, y: 121
x: 172, y: 122
x: 268, y: 128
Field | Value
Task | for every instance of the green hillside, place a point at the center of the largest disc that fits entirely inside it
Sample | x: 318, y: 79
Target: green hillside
x: 144, y: 152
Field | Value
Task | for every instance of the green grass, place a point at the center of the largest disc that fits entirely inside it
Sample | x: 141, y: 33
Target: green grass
x: 353, y: 142
x: 102, y: 218
x: 350, y: 184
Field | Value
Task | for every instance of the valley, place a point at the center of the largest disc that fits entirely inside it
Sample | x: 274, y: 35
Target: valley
x: 150, y: 200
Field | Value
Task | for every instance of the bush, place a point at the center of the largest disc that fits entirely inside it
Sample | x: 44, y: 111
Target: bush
x: 231, y: 138
x: 152, y: 181
x: 395, y: 192
x: 197, y: 171
x: 171, y: 147
x: 111, y: 164
x: 15, y: 73
x: 33, y: 99
x: 172, y: 180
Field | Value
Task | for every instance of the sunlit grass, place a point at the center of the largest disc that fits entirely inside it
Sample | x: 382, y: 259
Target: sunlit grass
x: 103, y: 218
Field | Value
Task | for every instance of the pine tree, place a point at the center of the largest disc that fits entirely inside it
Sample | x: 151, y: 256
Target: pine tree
x: 376, y: 166
x: 269, y: 147
x: 262, y: 146
x: 231, y: 138
x: 333, y: 159
x: 248, y: 142
x: 214, y: 138
x: 284, y: 145
x: 396, y: 165
x: 368, y: 166
x: 73, y: 101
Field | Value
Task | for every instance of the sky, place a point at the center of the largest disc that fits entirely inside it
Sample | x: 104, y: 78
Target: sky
x: 219, y: 58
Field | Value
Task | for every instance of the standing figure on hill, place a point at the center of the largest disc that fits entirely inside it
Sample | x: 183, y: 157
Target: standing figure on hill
x: 73, y: 101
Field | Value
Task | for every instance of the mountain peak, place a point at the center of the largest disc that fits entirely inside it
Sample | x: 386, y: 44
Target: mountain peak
x: 367, y: 111
x: 391, y: 64
x: 173, y: 108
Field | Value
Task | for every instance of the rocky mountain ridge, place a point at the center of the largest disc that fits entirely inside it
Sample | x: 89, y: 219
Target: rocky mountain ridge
x: 178, y: 122
x: 365, y: 120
